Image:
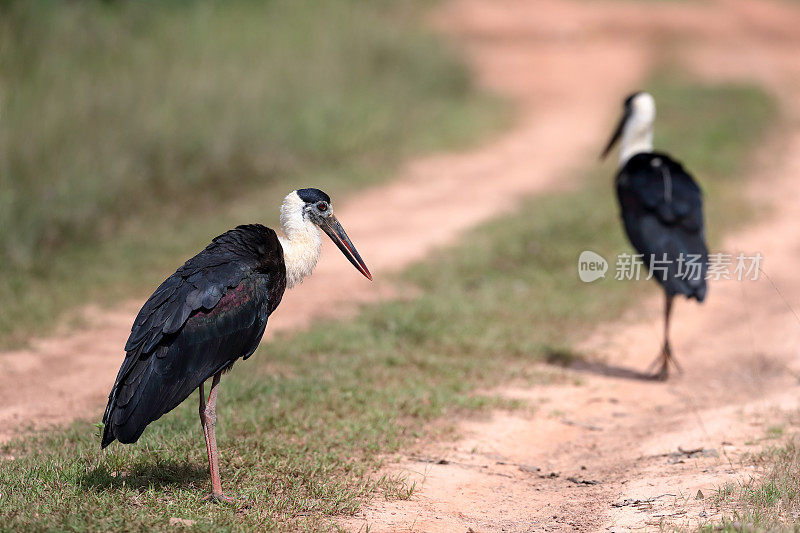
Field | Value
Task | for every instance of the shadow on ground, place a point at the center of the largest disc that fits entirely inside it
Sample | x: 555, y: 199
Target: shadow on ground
x: 568, y: 358
x: 144, y: 476
x: 599, y: 368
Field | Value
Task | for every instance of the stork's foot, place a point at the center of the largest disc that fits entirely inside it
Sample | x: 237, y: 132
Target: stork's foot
x: 663, y: 370
x: 240, y: 503
x: 661, y: 364
x: 219, y: 498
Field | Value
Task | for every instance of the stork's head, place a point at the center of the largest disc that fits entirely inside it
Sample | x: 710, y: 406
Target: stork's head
x: 635, y: 127
x: 301, y: 211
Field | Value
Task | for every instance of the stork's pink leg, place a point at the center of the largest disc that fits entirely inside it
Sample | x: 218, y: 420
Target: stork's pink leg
x: 203, y: 419
x: 662, y: 361
x: 208, y: 419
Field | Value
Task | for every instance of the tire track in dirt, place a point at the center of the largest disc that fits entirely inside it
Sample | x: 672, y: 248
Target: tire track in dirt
x: 614, y: 453
x: 556, y: 86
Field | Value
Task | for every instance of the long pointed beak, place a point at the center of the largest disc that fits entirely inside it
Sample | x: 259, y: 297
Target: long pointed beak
x: 336, y: 232
x: 617, y: 134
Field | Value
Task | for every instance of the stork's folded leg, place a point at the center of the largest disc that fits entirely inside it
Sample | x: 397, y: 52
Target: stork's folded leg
x: 203, y: 421
x: 208, y: 418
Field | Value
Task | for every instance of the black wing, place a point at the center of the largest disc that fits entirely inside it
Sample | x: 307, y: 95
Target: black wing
x: 209, y: 313
x: 662, y: 208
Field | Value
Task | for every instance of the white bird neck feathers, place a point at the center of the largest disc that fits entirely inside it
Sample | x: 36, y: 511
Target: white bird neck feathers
x: 302, y: 244
x: 637, y: 135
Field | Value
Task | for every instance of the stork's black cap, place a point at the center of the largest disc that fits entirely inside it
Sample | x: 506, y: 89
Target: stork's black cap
x: 311, y: 196
x: 629, y: 99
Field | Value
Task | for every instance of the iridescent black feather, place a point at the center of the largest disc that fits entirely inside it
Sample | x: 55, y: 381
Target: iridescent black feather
x: 662, y: 209
x: 199, y: 321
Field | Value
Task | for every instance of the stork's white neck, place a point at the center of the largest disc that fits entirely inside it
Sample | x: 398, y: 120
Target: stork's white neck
x: 635, y: 141
x: 637, y: 135
x: 302, y: 244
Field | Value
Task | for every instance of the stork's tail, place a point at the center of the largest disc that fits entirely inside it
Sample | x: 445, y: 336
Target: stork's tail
x: 108, y: 433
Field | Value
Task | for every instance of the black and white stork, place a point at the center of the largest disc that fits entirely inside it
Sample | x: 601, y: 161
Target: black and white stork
x: 212, y: 311
x: 662, y: 210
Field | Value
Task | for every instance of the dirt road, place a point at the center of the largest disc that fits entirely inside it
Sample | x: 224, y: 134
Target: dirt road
x: 614, y: 453
x: 428, y: 205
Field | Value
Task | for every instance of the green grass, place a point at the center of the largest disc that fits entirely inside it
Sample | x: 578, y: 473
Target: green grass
x: 131, y: 133
x: 770, y: 499
x: 305, y: 422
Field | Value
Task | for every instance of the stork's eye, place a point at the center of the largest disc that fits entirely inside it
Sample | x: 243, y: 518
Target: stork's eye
x: 322, y: 206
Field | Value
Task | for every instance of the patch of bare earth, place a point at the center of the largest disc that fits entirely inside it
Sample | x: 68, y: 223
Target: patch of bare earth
x: 613, y: 452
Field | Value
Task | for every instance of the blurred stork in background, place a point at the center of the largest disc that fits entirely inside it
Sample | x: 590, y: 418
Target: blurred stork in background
x: 212, y: 311
x: 662, y: 210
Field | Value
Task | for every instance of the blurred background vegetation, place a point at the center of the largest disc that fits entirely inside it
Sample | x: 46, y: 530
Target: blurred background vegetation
x: 129, y: 129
